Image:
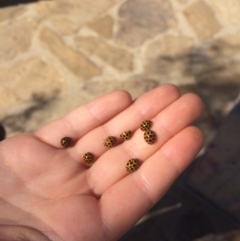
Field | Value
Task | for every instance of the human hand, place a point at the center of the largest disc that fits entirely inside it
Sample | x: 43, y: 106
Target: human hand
x: 48, y: 192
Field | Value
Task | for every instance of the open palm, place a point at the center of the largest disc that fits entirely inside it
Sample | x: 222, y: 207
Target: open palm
x: 47, y: 192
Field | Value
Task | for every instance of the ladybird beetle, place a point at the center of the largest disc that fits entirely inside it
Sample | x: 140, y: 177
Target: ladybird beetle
x: 66, y: 141
x: 149, y: 136
x: 88, y: 158
x: 146, y: 125
x: 132, y: 165
x: 126, y: 135
x: 110, y: 141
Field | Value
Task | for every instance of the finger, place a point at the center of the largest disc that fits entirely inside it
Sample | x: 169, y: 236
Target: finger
x: 85, y: 118
x: 110, y: 167
x: 145, y: 107
x: 134, y: 195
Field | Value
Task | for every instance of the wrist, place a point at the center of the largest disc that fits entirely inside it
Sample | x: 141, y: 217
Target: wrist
x: 20, y: 233
x: 19, y: 225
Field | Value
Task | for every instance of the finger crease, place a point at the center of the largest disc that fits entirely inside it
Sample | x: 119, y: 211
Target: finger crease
x: 165, y: 128
x: 169, y: 158
x: 144, y: 186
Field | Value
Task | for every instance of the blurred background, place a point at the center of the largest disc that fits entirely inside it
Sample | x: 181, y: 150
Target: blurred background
x: 58, y: 54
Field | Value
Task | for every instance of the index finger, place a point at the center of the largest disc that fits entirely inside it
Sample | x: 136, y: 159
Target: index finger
x: 85, y: 118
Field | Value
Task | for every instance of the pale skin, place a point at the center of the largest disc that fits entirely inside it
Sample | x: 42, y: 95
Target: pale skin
x: 48, y: 193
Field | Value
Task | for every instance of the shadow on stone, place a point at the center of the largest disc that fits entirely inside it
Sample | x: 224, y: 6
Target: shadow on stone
x: 210, y: 70
x: 19, y: 122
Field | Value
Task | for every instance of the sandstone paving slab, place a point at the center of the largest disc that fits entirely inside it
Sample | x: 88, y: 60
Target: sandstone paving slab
x: 183, y: 1
x: 169, y: 55
x: 41, y: 110
x: 228, y: 10
x: 116, y: 57
x: 16, y: 37
x: 216, y: 62
x: 11, y: 12
x: 75, y: 61
x: 30, y: 115
x: 202, y: 19
x: 140, y: 20
x: 228, y: 45
x: 69, y: 16
x: 165, y: 59
x: 103, y: 26
x: 220, y: 73
x: 170, y: 70
x: 25, y: 81
x: 169, y: 45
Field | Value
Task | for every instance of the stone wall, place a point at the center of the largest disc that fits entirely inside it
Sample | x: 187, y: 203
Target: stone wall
x: 56, y: 55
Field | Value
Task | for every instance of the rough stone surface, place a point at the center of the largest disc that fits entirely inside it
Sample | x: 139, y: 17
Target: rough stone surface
x: 23, y: 83
x: 168, y: 56
x: 116, y: 57
x: 134, y: 87
x: 183, y: 1
x: 41, y: 109
x: 69, y: 16
x: 211, y: 63
x: 11, y: 12
x: 76, y: 62
x: 175, y: 58
x: 137, y: 43
x: 14, y: 42
x: 140, y: 20
x: 166, y: 59
x: 228, y: 45
x: 219, y: 72
x: 202, y: 20
x: 169, y: 46
x: 103, y: 26
x: 228, y: 10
